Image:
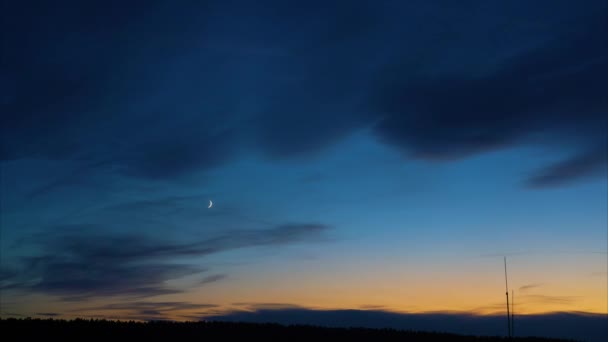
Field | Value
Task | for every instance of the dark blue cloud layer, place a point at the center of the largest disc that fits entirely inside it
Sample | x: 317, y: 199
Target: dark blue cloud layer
x: 585, y: 327
x: 572, y: 325
x: 80, y: 266
x: 158, y: 90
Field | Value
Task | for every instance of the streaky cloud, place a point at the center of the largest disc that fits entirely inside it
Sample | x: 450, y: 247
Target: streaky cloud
x: 77, y: 266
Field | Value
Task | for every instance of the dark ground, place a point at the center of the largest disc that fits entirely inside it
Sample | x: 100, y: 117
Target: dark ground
x: 50, y: 329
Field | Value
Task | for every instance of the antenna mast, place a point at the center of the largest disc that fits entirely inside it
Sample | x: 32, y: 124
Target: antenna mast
x: 507, y: 294
x: 513, y: 313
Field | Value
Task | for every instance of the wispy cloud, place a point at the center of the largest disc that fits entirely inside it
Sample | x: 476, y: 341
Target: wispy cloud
x: 584, y: 165
x: 527, y: 287
x: 78, y: 266
x: 48, y: 314
x: 253, y: 306
x: 148, y: 305
x: 147, y: 310
x: 13, y: 314
x: 212, y: 279
x: 548, y: 299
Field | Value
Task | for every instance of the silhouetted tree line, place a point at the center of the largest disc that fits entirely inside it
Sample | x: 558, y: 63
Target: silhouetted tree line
x: 81, y: 329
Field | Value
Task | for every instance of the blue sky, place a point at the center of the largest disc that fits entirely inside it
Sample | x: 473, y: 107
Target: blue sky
x: 356, y: 153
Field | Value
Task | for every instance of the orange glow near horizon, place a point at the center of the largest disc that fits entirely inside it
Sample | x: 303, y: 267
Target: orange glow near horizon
x: 469, y: 290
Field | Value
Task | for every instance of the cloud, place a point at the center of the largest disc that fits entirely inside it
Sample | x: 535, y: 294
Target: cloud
x: 212, y: 279
x: 549, y: 94
x: 167, y: 207
x: 372, y: 307
x: 588, y: 164
x: 547, y: 299
x: 13, y: 314
x: 528, y: 287
x: 73, y: 178
x: 531, y: 252
x: 489, y: 309
x: 84, y: 278
x: 48, y: 314
x: 164, y: 306
x: 67, y: 102
x: 560, y: 325
x: 524, y: 298
x: 145, y: 310
x: 79, y: 266
x: 253, y: 306
x: 162, y: 101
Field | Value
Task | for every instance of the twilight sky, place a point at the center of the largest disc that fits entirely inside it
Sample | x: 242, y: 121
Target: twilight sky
x: 376, y: 155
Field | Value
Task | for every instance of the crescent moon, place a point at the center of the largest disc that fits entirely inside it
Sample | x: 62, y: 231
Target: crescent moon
x: 210, y: 204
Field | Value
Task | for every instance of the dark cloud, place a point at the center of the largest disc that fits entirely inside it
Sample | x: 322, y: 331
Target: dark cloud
x: 489, y: 308
x: 372, y: 307
x: 84, y: 278
x: 75, y: 178
x: 13, y: 314
x: 551, y: 94
x: 547, y: 299
x: 77, y: 266
x: 168, y: 206
x: 145, y: 310
x: 80, y: 91
x: 525, y: 298
x: 170, y: 157
x: 157, y: 91
x: 550, y: 252
x: 140, y: 305
x: 529, y: 287
x: 8, y: 277
x: 253, y: 306
x: 583, y: 165
x: 562, y: 325
x: 48, y: 314
x: 212, y: 279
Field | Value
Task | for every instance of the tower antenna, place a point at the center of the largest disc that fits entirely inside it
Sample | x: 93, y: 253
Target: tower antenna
x: 507, y: 294
x: 513, y: 313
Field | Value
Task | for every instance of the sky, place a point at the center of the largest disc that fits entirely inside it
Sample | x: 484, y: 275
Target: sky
x: 360, y: 155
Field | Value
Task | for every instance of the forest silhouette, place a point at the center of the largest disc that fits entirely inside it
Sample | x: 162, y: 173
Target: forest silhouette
x: 82, y: 329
